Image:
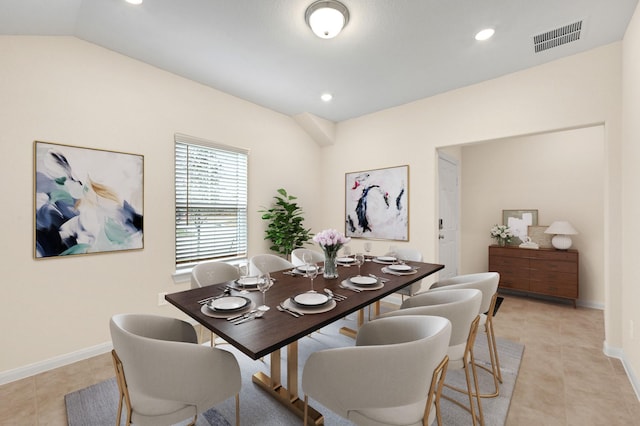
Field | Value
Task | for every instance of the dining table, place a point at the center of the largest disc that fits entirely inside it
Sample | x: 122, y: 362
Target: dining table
x: 278, y: 329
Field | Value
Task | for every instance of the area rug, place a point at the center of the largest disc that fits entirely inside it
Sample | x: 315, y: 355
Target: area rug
x: 97, y: 405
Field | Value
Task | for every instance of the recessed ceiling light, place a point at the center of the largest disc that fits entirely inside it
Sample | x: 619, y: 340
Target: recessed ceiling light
x: 326, y: 97
x: 485, y: 34
x: 136, y: 2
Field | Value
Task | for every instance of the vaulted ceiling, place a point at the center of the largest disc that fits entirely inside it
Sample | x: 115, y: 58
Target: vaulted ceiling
x: 391, y: 52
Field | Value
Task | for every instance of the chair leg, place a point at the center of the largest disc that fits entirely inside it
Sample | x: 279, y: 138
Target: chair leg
x: 122, y: 388
x: 469, y: 363
x: 435, y: 390
x: 306, y: 410
x: 493, y: 352
x: 237, y: 409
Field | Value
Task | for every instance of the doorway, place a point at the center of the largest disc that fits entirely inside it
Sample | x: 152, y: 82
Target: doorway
x: 448, y: 215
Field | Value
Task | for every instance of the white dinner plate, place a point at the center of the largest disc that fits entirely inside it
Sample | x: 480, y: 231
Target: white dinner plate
x: 348, y: 284
x: 247, y: 282
x: 311, y: 299
x: 386, y: 258
x: 229, y: 303
x: 360, y: 280
x: 345, y: 260
x: 400, y: 268
x: 290, y: 304
x: 306, y: 268
x: 206, y: 310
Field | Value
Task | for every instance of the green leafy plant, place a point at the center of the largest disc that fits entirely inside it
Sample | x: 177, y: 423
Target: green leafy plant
x: 285, y: 229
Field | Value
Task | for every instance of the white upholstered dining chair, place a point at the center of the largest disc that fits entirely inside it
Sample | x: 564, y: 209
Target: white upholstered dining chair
x: 155, y: 383
x: 296, y: 256
x: 487, y: 282
x: 263, y: 263
x: 361, y: 383
x: 209, y: 273
x: 407, y: 254
x: 460, y: 307
x: 213, y: 272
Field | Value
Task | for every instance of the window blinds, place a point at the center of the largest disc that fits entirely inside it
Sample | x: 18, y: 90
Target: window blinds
x: 211, y: 201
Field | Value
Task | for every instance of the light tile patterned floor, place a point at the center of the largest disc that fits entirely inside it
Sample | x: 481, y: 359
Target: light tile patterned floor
x: 565, y: 379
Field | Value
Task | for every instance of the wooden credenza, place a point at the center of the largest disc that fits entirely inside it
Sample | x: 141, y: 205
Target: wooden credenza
x: 546, y: 272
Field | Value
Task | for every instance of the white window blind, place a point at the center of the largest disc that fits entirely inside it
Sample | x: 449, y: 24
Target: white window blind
x: 211, y: 201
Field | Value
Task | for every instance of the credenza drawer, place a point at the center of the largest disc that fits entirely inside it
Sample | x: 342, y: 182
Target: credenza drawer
x: 546, y: 272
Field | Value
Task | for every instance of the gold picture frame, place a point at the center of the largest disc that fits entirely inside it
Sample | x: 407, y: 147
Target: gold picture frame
x: 377, y: 204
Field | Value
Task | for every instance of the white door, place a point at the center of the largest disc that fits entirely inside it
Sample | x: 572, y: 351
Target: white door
x: 449, y: 216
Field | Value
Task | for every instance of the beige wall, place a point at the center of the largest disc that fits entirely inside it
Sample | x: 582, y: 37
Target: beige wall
x: 630, y: 291
x: 64, y: 90
x: 561, y: 174
x: 578, y: 91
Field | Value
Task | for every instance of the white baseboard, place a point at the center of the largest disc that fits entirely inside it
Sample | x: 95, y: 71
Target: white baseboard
x: 619, y: 353
x: 50, y: 364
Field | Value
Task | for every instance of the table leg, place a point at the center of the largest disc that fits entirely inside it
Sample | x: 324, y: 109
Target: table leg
x: 287, y: 397
x: 349, y: 332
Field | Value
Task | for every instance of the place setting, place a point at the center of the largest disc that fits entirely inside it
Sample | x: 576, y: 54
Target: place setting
x: 309, y: 303
x: 399, y: 269
x: 227, y: 306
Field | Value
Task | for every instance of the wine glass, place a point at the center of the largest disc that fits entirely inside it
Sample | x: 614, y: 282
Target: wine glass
x: 346, y: 251
x: 243, y: 269
x: 367, y: 247
x: 264, y: 283
x: 359, y: 261
x: 312, y: 272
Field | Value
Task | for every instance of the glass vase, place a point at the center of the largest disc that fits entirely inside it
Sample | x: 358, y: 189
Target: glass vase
x: 502, y: 243
x: 330, y: 265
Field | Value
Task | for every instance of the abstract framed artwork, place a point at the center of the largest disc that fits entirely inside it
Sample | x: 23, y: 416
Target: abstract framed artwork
x: 377, y: 204
x: 519, y: 221
x: 86, y: 200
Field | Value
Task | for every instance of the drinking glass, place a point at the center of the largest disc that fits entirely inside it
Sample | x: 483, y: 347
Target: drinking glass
x: 264, y: 283
x: 367, y: 247
x: 346, y: 251
x: 243, y: 269
x: 312, y: 272
x: 359, y: 261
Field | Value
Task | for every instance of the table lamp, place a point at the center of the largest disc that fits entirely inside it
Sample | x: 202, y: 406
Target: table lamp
x: 562, y: 229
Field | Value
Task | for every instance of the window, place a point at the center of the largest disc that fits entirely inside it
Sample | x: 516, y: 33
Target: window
x: 211, y: 201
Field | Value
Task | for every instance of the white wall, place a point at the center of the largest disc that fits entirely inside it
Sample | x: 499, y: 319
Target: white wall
x: 561, y: 174
x: 574, y: 92
x: 630, y: 291
x: 68, y: 91
x: 64, y: 90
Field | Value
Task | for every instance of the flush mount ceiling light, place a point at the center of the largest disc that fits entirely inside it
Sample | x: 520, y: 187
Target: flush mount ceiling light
x: 327, y: 18
x: 485, y: 34
x: 326, y: 97
x: 136, y: 2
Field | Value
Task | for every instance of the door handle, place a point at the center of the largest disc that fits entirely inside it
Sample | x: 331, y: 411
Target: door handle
x: 441, y: 237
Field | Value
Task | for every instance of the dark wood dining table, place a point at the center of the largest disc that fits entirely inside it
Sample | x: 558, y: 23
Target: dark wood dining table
x: 266, y: 336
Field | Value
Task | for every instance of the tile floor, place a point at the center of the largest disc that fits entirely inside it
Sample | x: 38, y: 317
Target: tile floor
x: 564, y: 379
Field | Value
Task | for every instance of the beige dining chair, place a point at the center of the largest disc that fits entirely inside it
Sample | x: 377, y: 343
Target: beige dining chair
x: 267, y: 263
x: 460, y: 307
x: 361, y: 384
x: 210, y: 273
x: 213, y: 272
x: 297, y: 256
x: 407, y: 254
x: 155, y: 383
x: 487, y: 282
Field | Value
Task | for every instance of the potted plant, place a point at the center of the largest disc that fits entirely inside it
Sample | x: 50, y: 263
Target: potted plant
x: 285, y: 229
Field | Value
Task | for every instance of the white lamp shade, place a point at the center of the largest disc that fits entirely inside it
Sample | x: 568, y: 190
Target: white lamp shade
x: 327, y: 18
x: 562, y: 229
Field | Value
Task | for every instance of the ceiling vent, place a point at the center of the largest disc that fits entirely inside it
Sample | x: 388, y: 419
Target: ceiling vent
x: 557, y: 37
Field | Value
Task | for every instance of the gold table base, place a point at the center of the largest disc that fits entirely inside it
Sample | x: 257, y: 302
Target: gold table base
x: 287, y: 396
